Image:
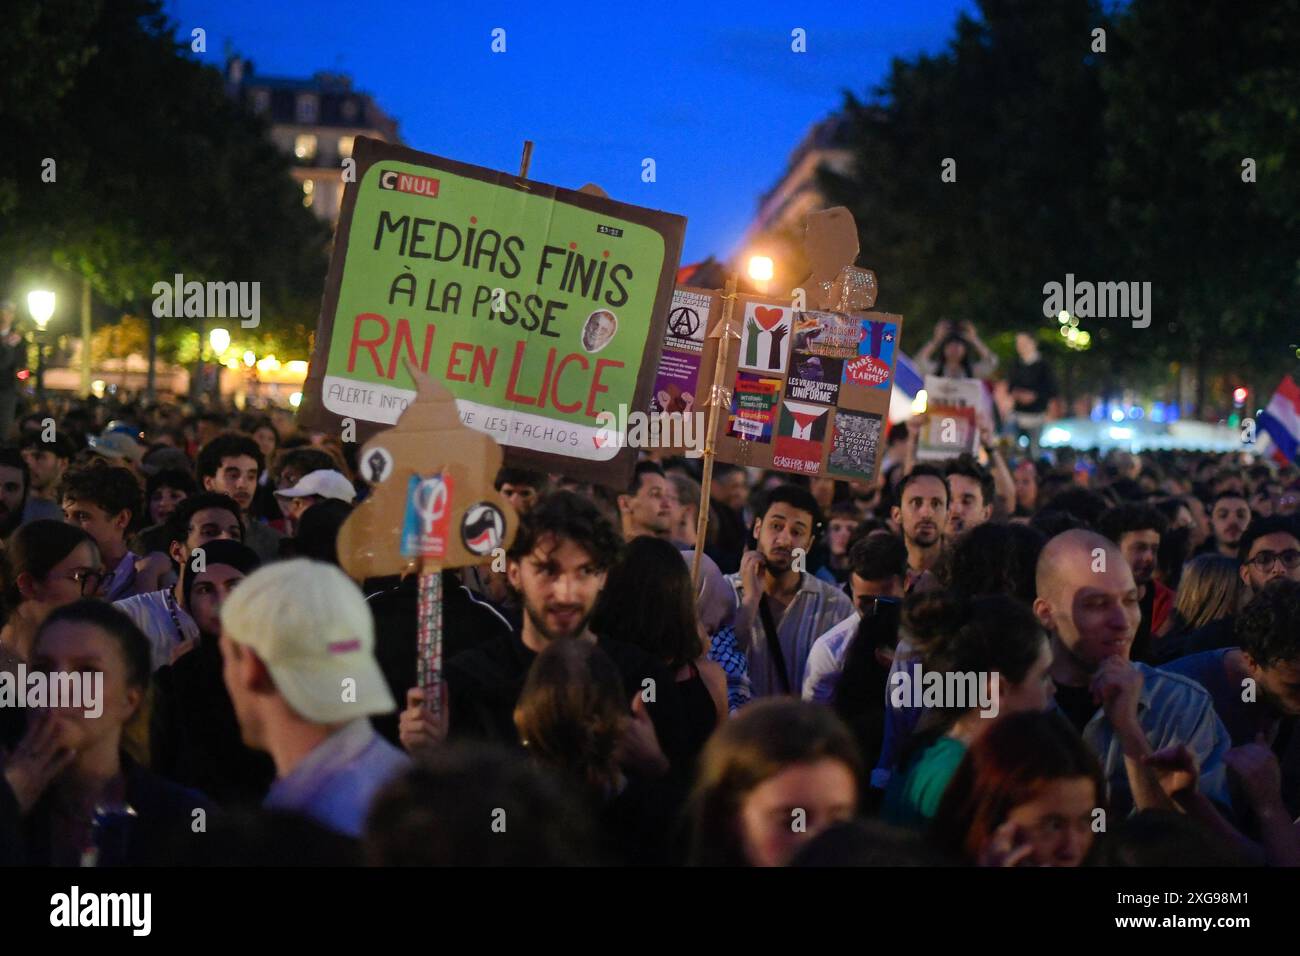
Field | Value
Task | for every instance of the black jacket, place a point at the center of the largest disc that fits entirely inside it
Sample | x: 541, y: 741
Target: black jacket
x: 194, y: 737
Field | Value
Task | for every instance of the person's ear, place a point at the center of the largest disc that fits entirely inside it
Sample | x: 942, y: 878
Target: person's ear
x: 256, y: 676
x: 514, y: 574
x: 988, y: 512
x: 207, y: 482
x: 122, y: 519
x: 1243, y: 572
x: 895, y: 513
x: 26, y: 584
x: 176, y: 551
x: 623, y: 503
x: 1251, y: 664
x: 134, y: 698
x: 1043, y: 611
x: 758, y: 523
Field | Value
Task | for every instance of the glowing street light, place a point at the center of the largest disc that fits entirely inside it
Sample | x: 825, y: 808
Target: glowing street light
x: 761, y: 268
x: 220, y: 341
x: 41, y: 305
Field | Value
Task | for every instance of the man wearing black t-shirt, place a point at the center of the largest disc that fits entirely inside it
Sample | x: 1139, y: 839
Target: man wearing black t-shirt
x: 557, y: 566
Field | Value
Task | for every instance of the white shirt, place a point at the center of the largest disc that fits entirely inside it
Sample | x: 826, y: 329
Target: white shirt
x: 826, y: 660
x: 151, y: 615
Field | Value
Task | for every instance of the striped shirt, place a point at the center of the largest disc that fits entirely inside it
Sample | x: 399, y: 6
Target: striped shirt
x: 815, y: 609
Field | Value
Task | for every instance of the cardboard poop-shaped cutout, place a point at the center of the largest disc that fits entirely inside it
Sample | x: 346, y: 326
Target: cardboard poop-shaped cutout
x: 831, y: 245
x: 410, y: 516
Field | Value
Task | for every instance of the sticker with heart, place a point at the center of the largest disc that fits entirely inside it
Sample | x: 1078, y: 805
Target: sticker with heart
x: 768, y: 317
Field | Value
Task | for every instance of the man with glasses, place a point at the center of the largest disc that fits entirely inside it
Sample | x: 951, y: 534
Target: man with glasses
x: 161, y: 614
x: 1270, y: 549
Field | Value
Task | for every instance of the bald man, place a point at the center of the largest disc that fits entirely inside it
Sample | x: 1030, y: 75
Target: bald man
x: 1087, y: 601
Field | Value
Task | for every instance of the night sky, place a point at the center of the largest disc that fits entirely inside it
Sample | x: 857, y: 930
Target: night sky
x: 712, y: 92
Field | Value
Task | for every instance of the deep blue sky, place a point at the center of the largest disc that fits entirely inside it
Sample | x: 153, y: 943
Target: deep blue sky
x: 711, y: 91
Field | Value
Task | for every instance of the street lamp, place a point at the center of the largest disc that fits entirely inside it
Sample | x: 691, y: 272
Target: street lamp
x: 761, y: 271
x: 40, y: 303
x: 220, y: 340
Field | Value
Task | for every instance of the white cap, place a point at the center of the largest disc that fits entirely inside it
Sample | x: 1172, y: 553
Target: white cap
x: 324, y: 482
x: 311, y: 626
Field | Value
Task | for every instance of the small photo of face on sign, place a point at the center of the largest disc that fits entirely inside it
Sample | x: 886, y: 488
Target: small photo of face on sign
x: 599, y: 330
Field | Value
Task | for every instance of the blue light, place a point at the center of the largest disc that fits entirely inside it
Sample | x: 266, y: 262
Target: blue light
x: 1157, y: 411
x: 1117, y: 414
x: 1135, y: 412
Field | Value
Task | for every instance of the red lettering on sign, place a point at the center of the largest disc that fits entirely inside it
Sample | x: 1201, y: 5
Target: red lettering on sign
x: 372, y: 345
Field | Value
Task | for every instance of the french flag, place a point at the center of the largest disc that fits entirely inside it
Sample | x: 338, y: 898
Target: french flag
x: 1281, y: 421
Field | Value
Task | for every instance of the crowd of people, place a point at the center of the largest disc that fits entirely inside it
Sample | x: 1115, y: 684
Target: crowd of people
x: 1001, y: 659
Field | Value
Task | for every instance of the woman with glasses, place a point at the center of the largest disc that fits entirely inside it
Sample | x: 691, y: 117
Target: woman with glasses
x: 1028, y: 793
x: 47, y: 564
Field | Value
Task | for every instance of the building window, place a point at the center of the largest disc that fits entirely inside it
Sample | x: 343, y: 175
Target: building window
x: 307, y: 108
x: 345, y: 146
x: 349, y: 110
x: 261, y: 101
x: 308, y: 192
x: 304, y: 146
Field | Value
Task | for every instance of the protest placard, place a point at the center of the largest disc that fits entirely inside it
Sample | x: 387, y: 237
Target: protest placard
x: 538, y: 307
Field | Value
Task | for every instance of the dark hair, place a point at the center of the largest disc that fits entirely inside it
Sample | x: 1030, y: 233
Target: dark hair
x: 318, y: 530
x: 1174, y: 551
x: 35, y: 549
x: 227, y: 445
x: 760, y: 741
x: 437, y: 813
x: 62, y: 445
x: 1219, y: 496
x: 878, y: 556
x: 1268, y: 628
x: 305, y: 459
x: 959, y: 634
x: 168, y: 478
x: 1004, y: 768
x: 1050, y: 523
x: 519, y: 476
x: 994, y: 558
x: 642, y: 469
x: 178, y: 523
x: 968, y: 467
x: 796, y: 496
x: 1260, y: 527
x: 111, y: 487
x: 130, y: 641
x: 571, y: 713
x: 648, y: 601
x: 568, y: 516
x: 1129, y: 517
x: 1079, y: 502
x: 922, y: 471
x: 12, y: 458
x: 219, y: 551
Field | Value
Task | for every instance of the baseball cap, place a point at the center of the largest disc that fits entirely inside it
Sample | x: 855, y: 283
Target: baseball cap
x: 324, y: 482
x: 311, y: 627
x: 116, y: 445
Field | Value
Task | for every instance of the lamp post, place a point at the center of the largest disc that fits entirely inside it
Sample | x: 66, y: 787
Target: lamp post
x: 40, y: 303
x: 219, y: 339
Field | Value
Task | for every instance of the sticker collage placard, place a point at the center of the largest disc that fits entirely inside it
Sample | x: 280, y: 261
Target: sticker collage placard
x: 809, y: 391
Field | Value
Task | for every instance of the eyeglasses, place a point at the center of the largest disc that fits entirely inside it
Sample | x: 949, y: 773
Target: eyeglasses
x: 1264, y: 560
